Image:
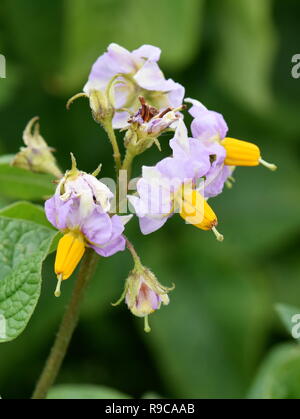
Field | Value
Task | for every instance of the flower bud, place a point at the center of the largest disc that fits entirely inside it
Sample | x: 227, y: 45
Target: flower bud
x: 143, y: 293
x: 243, y: 153
x: 101, y: 102
x: 195, y: 210
x: 101, y: 106
x: 36, y: 156
x: 70, y: 250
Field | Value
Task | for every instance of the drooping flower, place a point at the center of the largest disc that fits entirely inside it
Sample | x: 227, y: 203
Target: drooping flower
x: 79, y: 209
x: 171, y: 186
x: 143, y: 293
x: 191, y: 151
x: 211, y: 129
x: 130, y: 75
x: 37, y: 156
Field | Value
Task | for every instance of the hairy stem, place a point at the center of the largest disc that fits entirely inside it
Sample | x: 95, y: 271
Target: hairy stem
x: 127, y: 163
x: 132, y: 250
x: 112, y: 138
x: 67, y: 326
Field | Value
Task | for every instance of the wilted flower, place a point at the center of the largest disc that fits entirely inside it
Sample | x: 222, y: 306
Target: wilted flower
x: 146, y: 125
x: 79, y: 208
x: 130, y: 75
x: 37, y: 155
x: 143, y: 293
x: 151, y: 122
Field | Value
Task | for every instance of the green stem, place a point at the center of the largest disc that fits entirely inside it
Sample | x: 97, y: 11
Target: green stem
x: 127, y: 163
x: 67, y: 326
x: 112, y: 138
x: 135, y: 256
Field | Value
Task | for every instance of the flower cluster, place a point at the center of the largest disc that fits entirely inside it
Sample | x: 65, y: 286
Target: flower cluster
x: 128, y: 91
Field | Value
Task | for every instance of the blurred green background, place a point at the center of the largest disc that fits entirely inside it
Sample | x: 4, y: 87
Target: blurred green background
x: 220, y: 336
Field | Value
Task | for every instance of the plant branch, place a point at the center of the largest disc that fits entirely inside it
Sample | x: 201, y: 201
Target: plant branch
x: 67, y: 326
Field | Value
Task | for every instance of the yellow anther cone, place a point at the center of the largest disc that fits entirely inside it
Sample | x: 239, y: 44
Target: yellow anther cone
x: 243, y: 153
x: 195, y: 210
x: 69, y: 253
x: 240, y: 153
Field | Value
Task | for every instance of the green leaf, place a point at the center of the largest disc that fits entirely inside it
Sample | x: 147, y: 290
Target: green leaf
x: 24, y: 210
x: 246, y: 49
x: 23, y: 247
x: 27, y: 211
x: 287, y: 314
x: 84, y: 391
x: 279, y: 375
x: 22, y: 184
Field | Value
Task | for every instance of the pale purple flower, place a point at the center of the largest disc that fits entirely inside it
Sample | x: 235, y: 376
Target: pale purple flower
x: 199, y: 160
x: 88, y: 188
x: 207, y: 125
x: 139, y: 74
x: 153, y: 205
x: 81, y: 204
x: 159, y: 185
x: 210, y: 128
x: 191, y: 159
x: 101, y: 232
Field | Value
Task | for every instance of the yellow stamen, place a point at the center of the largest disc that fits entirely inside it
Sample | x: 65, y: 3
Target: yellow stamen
x: 240, y: 153
x: 69, y: 253
x: 196, y: 210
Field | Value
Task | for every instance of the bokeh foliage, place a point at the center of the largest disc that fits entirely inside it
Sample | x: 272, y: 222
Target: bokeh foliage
x: 216, y: 335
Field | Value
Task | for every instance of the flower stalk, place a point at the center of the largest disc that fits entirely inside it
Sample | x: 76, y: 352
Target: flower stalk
x: 113, y: 140
x: 127, y: 162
